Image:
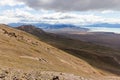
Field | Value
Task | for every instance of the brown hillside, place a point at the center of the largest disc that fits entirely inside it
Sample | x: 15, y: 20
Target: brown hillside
x: 20, y: 50
x: 100, y: 57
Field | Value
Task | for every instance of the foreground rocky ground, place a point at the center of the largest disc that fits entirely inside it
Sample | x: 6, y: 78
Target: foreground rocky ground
x: 11, y: 74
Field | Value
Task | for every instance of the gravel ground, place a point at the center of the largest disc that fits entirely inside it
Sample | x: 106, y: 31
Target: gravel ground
x: 11, y: 74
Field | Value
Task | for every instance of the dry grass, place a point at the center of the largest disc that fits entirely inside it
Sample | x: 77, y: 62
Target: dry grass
x: 21, y: 54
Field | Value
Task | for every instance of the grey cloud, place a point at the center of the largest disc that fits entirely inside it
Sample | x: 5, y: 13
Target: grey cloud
x: 73, y: 5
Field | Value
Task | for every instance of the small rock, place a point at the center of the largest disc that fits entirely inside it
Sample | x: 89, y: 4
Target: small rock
x: 55, y: 78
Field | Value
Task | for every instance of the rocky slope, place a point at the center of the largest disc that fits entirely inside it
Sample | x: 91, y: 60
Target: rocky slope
x: 13, y: 74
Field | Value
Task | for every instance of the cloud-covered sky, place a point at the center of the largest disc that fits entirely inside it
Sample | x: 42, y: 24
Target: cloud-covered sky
x: 60, y: 11
x: 71, y: 5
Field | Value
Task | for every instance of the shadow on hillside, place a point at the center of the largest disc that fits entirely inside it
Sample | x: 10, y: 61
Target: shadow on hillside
x: 106, y: 63
x: 102, y: 62
x: 76, y: 47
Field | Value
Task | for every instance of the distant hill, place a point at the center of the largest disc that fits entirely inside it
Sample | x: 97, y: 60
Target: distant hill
x: 58, y: 26
x: 95, y: 55
x: 31, y: 28
x: 107, y: 25
x: 64, y: 28
x: 16, y: 24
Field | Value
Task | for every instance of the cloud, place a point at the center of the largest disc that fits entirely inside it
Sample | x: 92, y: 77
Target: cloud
x: 25, y: 15
x: 10, y: 3
x: 73, y: 5
x: 107, y: 11
x: 16, y: 15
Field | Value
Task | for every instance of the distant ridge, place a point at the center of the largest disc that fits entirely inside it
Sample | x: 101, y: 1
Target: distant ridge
x: 30, y: 28
x: 106, y: 25
x: 53, y: 27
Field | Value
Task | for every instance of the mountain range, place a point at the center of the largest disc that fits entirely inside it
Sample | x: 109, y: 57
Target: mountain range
x: 58, y: 25
x: 65, y: 28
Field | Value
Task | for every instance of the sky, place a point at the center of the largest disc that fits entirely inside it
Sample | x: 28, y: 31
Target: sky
x: 79, y: 12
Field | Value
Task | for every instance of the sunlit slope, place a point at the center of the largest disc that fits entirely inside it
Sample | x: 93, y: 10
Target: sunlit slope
x: 20, y: 50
